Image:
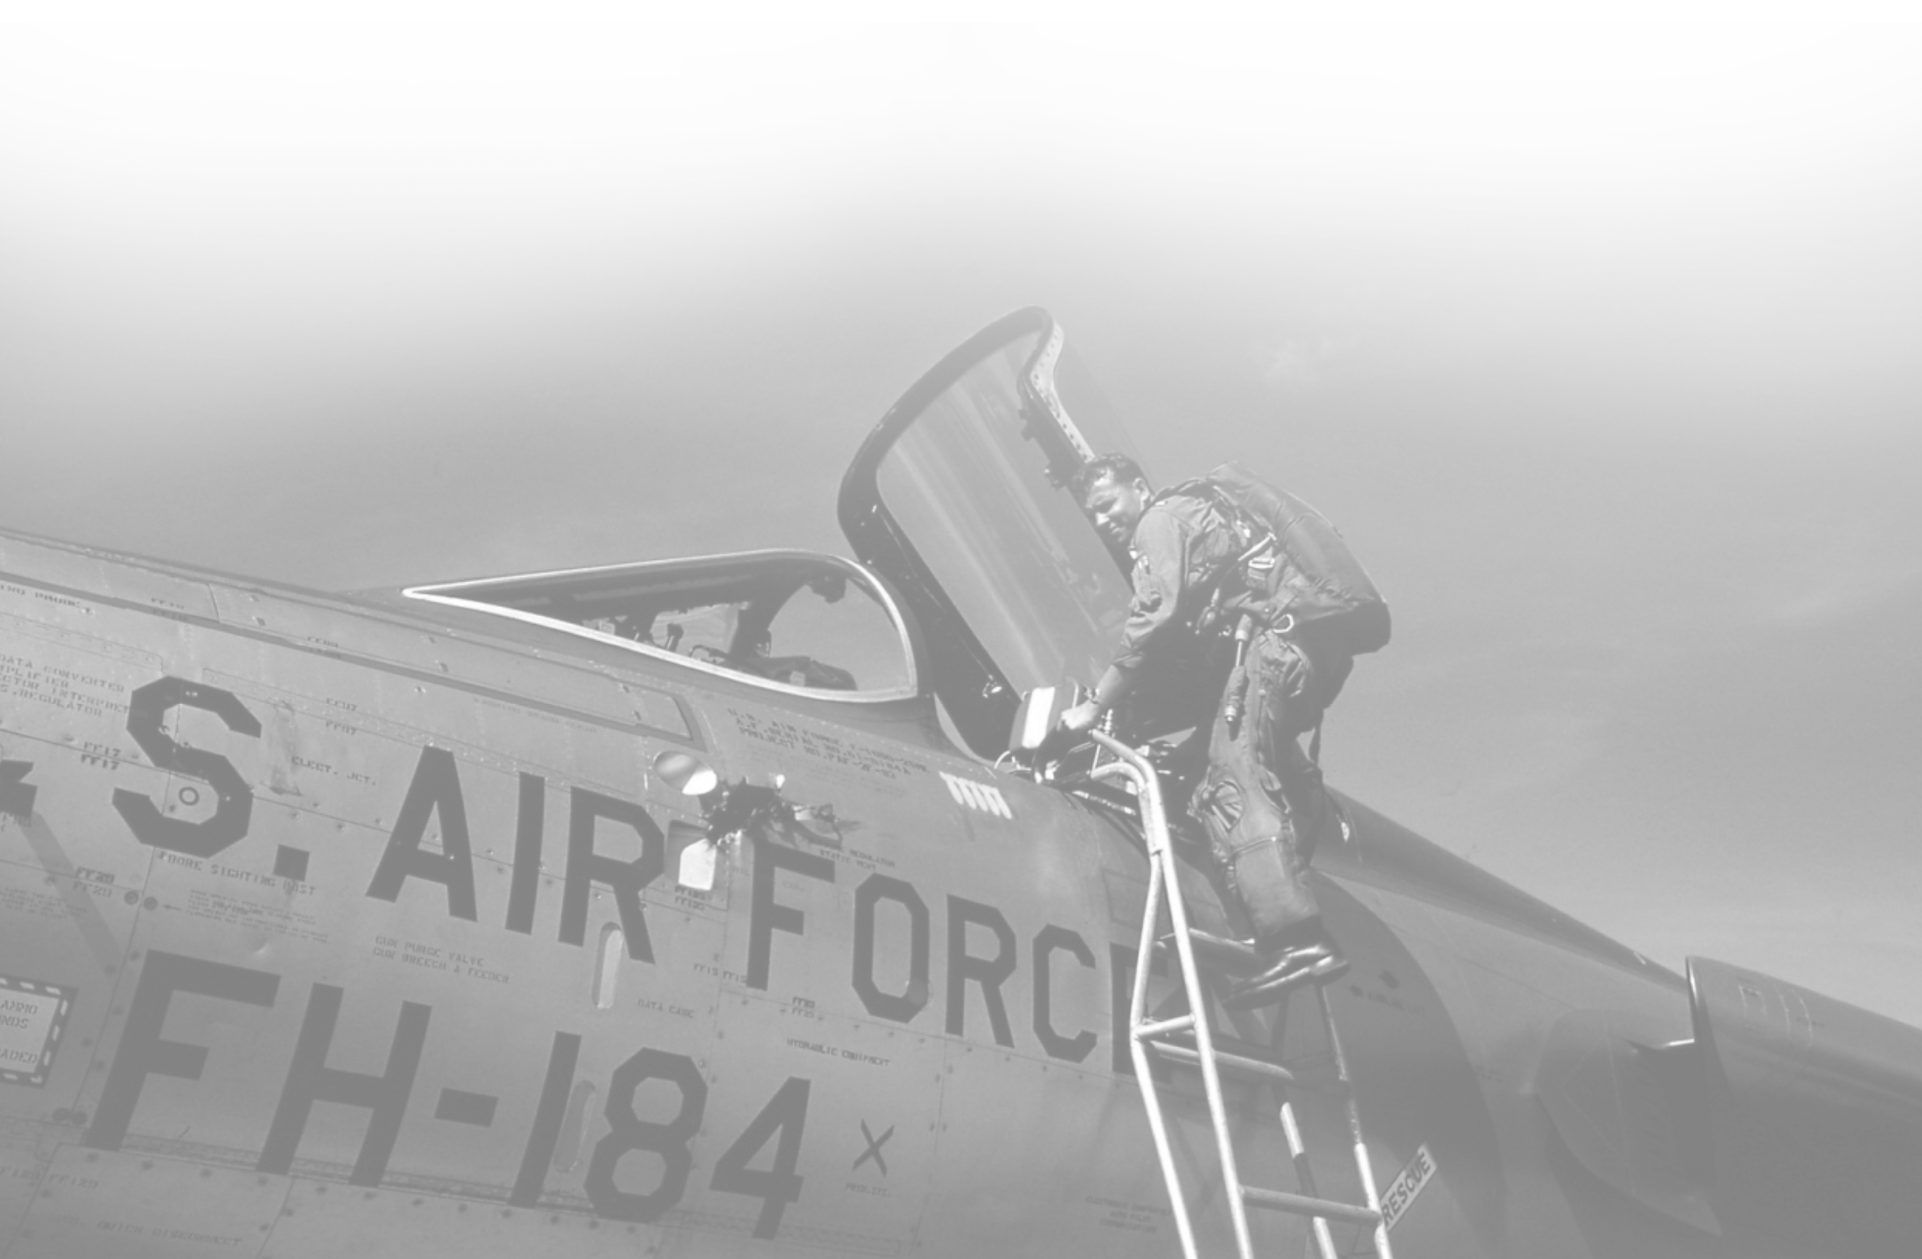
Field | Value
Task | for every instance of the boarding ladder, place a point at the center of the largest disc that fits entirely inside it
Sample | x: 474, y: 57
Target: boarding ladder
x: 1162, y: 1037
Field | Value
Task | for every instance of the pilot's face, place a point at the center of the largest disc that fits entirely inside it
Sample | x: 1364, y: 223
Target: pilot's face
x: 1115, y: 507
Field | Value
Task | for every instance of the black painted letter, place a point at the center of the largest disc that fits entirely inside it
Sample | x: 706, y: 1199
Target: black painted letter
x: 311, y: 1080
x: 143, y: 1053
x: 528, y: 829
x: 765, y: 916
x: 586, y: 867
x: 435, y: 789
x: 901, y: 1009
x: 16, y: 793
x: 146, y: 709
x: 991, y: 972
x: 1050, y: 939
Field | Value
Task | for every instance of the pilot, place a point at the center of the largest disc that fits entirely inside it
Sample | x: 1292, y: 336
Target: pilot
x: 1260, y: 798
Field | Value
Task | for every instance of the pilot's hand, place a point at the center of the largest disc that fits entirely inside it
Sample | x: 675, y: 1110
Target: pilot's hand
x: 1080, y: 718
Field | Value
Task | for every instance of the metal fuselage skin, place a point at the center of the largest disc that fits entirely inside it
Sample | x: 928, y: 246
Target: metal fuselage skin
x: 333, y: 929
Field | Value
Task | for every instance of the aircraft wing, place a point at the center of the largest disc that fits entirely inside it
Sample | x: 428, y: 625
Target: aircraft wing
x: 1814, y: 1114
x: 1786, y: 1124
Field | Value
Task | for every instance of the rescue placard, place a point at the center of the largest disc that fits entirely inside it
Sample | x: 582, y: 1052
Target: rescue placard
x: 1407, y: 1186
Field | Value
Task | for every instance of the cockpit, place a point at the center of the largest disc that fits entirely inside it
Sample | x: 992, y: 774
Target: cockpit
x: 796, y: 620
x: 960, y: 507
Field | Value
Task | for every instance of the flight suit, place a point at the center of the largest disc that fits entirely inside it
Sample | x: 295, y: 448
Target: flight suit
x: 1259, y: 799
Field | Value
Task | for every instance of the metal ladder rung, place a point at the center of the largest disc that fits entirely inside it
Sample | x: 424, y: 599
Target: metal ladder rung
x: 1234, y: 1062
x: 1146, y: 1032
x: 1315, y: 1073
x: 1298, y: 1204
x: 1309, y: 1073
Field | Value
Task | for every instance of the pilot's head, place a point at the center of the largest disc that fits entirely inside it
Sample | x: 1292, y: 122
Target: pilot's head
x: 1114, y: 493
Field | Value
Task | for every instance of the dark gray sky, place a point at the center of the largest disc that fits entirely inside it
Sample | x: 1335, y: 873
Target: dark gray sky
x: 1600, y: 341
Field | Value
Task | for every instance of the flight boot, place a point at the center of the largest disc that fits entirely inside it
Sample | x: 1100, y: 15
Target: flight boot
x: 1317, y: 963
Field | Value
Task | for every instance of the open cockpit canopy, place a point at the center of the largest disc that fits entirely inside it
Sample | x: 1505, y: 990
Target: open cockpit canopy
x: 794, y: 620
x: 962, y: 499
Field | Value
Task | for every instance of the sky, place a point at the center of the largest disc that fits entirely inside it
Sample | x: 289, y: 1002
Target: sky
x: 1596, y: 338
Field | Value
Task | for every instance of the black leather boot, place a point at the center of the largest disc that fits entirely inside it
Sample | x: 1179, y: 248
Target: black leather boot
x: 1317, y: 963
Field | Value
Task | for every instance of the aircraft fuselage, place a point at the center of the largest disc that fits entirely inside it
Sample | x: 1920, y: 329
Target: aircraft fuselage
x: 329, y: 926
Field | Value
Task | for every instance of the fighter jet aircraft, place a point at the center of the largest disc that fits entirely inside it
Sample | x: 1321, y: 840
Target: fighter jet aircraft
x: 700, y: 907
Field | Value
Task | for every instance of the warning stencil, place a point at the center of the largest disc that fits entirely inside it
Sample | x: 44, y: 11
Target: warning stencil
x: 32, y: 1017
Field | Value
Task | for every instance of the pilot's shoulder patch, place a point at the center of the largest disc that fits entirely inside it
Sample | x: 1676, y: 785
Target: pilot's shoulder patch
x: 974, y: 795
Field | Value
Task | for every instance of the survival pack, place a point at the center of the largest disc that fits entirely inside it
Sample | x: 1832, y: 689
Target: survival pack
x: 1293, y: 561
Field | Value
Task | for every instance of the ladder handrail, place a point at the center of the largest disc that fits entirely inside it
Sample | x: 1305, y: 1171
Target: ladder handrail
x: 1362, y: 1162
x: 1154, y: 820
x: 1163, y: 884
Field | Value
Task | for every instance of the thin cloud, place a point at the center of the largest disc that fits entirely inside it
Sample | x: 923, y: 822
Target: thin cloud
x: 1846, y: 591
x: 1302, y: 367
x: 1448, y: 323
x: 1828, y: 567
